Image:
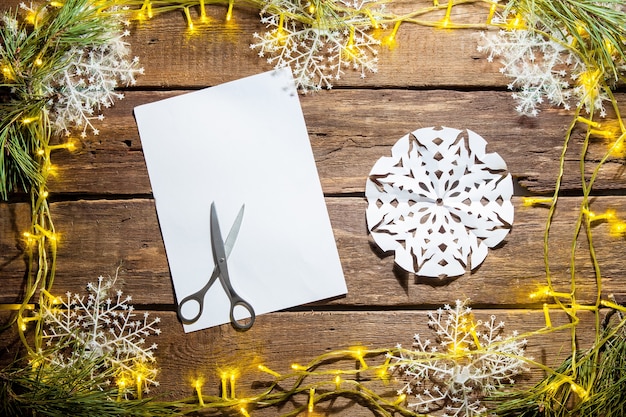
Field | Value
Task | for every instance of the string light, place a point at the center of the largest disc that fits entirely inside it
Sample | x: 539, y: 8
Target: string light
x: 298, y: 367
x: 267, y: 370
x: 588, y: 122
x: 197, y: 384
x: 390, y: 41
x: 311, y: 405
x: 229, y: 13
x: 533, y: 201
x: 492, y: 11
x: 202, y: 11
x: 546, y: 316
x: 224, y: 379
x: 337, y: 381
x: 121, y: 387
x: 243, y: 411
x: 188, y: 17
x: 401, y: 398
x: 373, y: 21
x: 358, y: 354
x: 516, y: 23
x: 446, y: 20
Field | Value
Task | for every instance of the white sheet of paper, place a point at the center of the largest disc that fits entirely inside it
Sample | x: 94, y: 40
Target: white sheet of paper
x: 243, y: 142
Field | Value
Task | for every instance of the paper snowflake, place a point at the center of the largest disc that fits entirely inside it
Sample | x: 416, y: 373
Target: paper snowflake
x: 439, y: 201
x: 320, y: 52
x: 467, y: 360
x: 103, y: 328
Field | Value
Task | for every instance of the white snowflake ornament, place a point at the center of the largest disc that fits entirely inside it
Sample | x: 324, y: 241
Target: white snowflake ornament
x: 104, y: 327
x: 439, y: 201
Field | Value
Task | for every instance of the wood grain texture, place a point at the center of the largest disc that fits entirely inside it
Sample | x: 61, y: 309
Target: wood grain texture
x: 99, y: 236
x: 104, y: 212
x: 350, y: 130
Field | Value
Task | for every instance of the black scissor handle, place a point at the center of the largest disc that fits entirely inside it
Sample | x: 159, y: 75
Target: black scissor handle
x: 198, y: 298
x: 243, y: 324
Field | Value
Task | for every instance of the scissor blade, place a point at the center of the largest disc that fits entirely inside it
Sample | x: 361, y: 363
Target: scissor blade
x: 223, y: 249
x: 234, y: 231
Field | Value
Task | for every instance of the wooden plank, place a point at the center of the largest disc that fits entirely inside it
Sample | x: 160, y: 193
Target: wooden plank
x: 350, y: 130
x: 174, y: 57
x: 280, y: 339
x: 98, y: 236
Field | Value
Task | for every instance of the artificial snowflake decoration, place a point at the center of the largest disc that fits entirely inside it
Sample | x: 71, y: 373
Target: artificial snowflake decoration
x: 539, y: 66
x: 318, y: 52
x: 468, y: 360
x: 86, y: 83
x: 439, y: 201
x: 104, y: 328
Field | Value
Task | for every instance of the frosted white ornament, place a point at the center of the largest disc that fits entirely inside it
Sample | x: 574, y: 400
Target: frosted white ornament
x: 439, y: 201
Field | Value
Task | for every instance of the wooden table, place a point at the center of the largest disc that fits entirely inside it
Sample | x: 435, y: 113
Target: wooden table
x: 104, y: 209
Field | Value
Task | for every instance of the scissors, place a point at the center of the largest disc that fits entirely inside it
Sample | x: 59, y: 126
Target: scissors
x: 221, y: 251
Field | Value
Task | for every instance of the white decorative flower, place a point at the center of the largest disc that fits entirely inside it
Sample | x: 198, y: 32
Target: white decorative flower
x: 439, y: 201
x: 105, y: 328
x: 468, y: 360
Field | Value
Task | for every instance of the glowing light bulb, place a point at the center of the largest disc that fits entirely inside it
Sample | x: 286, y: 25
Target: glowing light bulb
x: 197, y: 384
x: 188, y: 17
x: 401, y: 399
x: 532, y: 201
x: 229, y: 13
x: 390, y: 41
x: 311, y: 405
x: 268, y: 371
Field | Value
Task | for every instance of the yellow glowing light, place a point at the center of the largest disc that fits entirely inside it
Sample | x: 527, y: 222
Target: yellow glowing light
x: 373, y: 21
x: 492, y: 11
x: 298, y: 367
x: 28, y: 120
x: 280, y: 36
x: 311, y: 405
x: 269, y: 371
x: 202, y: 11
x: 516, y: 23
x: 588, y: 122
x: 244, y: 412
x: 229, y: 13
x: 311, y: 8
x: 541, y: 292
x: 337, y: 382
x: 588, y: 80
x: 617, y: 229
x: 390, y: 41
x: 603, y: 133
x: 188, y: 17
x: 446, y: 20
x: 580, y: 391
x: 532, y: 201
x: 401, y: 399
x: 57, y: 4
x: 546, y: 316
x: 197, y: 384
x: 223, y: 380
x: 38, y: 62
x: 232, y: 379
x: 359, y: 353
x: 608, y: 215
